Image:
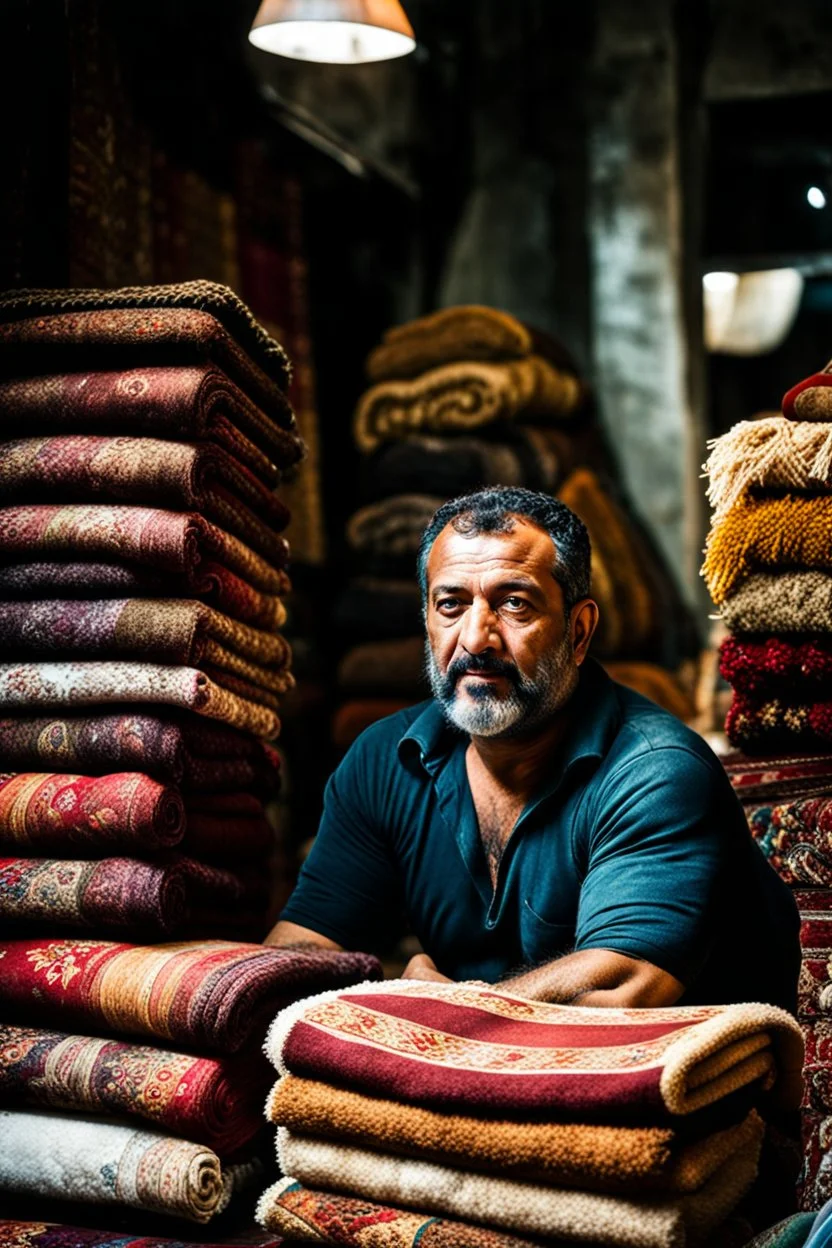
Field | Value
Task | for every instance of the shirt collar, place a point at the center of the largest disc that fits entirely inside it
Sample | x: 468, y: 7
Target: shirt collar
x: 596, y: 716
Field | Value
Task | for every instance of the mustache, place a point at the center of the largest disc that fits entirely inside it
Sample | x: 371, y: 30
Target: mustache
x: 488, y: 664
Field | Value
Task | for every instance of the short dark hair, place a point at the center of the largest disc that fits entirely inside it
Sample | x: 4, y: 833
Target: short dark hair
x: 493, y: 510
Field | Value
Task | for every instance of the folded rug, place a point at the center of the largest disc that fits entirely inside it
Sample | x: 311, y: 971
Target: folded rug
x: 144, y: 897
x: 160, y: 630
x: 653, y: 682
x: 527, y: 1208
x: 810, y: 399
x: 209, y: 582
x: 212, y: 995
x: 387, y: 667
x: 373, y: 608
x: 394, y: 526
x: 228, y: 837
x: 563, y: 1154
x: 179, y: 402
x: 772, y: 454
x: 463, y: 396
x: 31, y: 686
x: 781, y: 602
x: 466, y: 332
x: 817, y: 1140
x: 464, y: 1045
x: 188, y: 750
x: 628, y: 616
x: 796, y: 838
x: 765, y: 535
x: 77, y: 1157
x: 350, y: 720
x: 792, y: 1232
x: 317, y: 1217
x: 169, y: 541
x: 814, y: 988
x: 198, y: 319
x: 204, y: 1099
x: 55, y: 1235
x: 762, y: 724
x: 798, y: 670
x: 64, y: 812
x: 775, y: 777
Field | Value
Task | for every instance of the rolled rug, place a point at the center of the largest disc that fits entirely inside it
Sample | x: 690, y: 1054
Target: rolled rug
x: 189, y: 750
x: 55, y: 1235
x: 212, y: 995
x: 772, y: 454
x: 212, y: 1101
x: 791, y: 1232
x: 444, y: 1046
x: 30, y: 686
x: 167, y: 541
x: 209, y: 583
x: 175, y: 323
x: 78, y: 1157
x: 562, y: 1154
x: 308, y: 1216
x: 773, y: 778
x: 109, y: 893
x: 60, y: 811
x: 797, y: 840
x: 182, y: 403
x: 465, y: 396
x: 811, y: 398
x: 763, y: 724
x: 520, y: 1207
x: 818, y: 1036
x: 393, y: 526
x: 159, y: 630
x: 817, y: 1140
x: 767, y: 535
x: 781, y: 602
x: 228, y: 837
x: 798, y: 670
x: 814, y: 988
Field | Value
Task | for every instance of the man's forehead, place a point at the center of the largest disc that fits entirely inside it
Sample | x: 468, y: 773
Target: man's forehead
x: 526, y: 545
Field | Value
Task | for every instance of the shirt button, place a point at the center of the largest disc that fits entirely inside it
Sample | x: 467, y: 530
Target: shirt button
x: 489, y: 923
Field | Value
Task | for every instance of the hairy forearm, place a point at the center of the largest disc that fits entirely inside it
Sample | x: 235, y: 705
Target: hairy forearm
x: 287, y: 935
x: 597, y: 977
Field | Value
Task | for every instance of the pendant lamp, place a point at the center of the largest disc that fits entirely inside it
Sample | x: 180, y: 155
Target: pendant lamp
x: 343, y: 32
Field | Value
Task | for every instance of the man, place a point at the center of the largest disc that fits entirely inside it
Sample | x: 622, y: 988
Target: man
x: 536, y: 823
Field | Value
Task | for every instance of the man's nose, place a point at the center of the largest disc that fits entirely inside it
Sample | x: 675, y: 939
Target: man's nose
x: 479, y: 630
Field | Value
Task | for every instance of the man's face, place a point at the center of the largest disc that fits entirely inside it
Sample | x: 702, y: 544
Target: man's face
x: 500, y: 649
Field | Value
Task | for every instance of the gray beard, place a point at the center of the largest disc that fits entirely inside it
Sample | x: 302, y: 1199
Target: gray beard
x: 529, y: 702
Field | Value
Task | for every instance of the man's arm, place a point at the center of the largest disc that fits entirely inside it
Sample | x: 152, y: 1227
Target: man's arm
x: 285, y: 934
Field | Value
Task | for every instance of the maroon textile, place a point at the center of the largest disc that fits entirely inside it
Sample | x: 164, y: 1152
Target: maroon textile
x: 756, y: 724
x: 46, y: 1235
x: 797, y: 670
x: 228, y: 837
x: 776, y: 778
x: 209, y: 583
x: 186, y: 749
x: 64, y: 814
x: 813, y: 1001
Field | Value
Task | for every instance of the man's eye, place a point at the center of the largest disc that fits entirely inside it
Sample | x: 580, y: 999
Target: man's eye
x: 515, y: 604
x: 447, y: 604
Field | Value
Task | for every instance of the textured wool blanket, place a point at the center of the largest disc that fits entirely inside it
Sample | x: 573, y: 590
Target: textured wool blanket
x: 31, y: 686
x: 137, y: 898
x: 811, y: 398
x: 459, y: 1046
x: 168, y: 541
x: 796, y: 837
x: 771, y: 454
x: 78, y: 1157
x: 775, y: 777
x: 767, y: 535
x: 147, y: 471
x: 394, y: 526
x: 229, y: 838
x: 466, y: 332
x: 55, y: 1235
x: 459, y: 397
x: 203, y: 1099
x: 188, y: 750
x: 798, y: 670
x: 199, y: 404
x: 85, y: 579
x: 385, y: 667
x: 628, y: 613
x: 520, y: 1207
x: 781, y: 602
x: 534, y: 457
x: 319, y: 1217
x: 212, y: 995
x: 763, y: 724
x: 562, y: 1154
x: 159, y: 630
x: 62, y: 812
x: 172, y: 323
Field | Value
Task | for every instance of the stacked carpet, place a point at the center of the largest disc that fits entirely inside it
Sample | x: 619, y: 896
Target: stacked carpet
x: 54, y: 1235
x: 461, y: 399
x: 130, y: 1075
x: 768, y: 567
x: 142, y: 582
x: 454, y: 1114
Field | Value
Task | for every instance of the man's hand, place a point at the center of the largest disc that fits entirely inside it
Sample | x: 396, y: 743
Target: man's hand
x: 421, y: 966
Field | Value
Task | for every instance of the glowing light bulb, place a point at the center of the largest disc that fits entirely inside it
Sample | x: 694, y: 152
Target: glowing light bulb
x: 720, y: 281
x: 816, y: 197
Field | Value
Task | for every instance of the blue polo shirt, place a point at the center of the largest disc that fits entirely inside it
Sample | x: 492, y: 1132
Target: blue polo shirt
x: 634, y: 842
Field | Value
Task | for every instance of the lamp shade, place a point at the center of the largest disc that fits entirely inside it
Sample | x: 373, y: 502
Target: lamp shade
x: 343, y: 32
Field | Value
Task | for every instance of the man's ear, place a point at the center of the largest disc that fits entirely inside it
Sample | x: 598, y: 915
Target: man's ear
x: 583, y: 621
